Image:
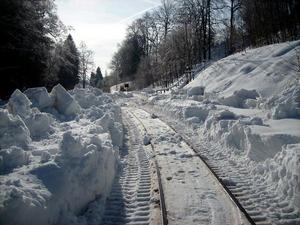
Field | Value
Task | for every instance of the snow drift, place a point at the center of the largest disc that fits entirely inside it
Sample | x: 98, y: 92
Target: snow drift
x: 58, y: 152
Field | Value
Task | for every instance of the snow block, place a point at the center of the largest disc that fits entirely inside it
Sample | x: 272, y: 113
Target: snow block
x: 12, y: 158
x: 198, y: 90
x: 19, y: 104
x: 195, y: 111
x: 262, y: 147
x: 39, y: 97
x: 38, y: 124
x: 13, y: 131
x: 45, y: 157
x: 116, y: 133
x: 287, y: 109
x: 64, y: 102
x: 239, y: 98
x: 71, y: 146
x: 88, y: 98
x: 282, y: 172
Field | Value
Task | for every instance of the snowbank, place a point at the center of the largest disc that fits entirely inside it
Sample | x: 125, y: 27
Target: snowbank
x: 250, y: 110
x: 63, y: 101
x: 39, y: 97
x: 198, y: 90
x: 53, y: 163
x: 13, y: 131
x: 282, y: 172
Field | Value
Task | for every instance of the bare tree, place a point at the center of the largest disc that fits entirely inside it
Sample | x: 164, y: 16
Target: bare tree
x: 235, y: 5
x: 86, y: 62
x: 165, y: 15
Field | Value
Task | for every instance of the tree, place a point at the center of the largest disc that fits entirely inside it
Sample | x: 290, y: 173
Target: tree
x: 126, y: 60
x: 86, y: 62
x: 27, y: 30
x: 99, y: 77
x: 96, y: 79
x: 93, y: 79
x: 68, y: 73
x: 235, y: 5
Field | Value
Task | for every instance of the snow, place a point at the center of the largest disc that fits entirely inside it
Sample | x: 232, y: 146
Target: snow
x: 59, y: 151
x: 19, y: 104
x: 63, y: 101
x: 247, y: 116
x: 198, y: 90
x: 192, y: 194
x: 13, y: 130
x: 57, y: 154
x: 240, y: 98
x: 12, y: 158
x: 39, y: 97
x: 195, y: 111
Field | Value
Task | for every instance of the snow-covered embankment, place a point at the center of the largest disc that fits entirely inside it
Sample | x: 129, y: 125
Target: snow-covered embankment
x: 59, y: 151
x: 246, y: 108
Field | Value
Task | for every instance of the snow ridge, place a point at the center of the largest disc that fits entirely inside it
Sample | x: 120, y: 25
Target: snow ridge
x: 129, y: 201
x: 59, y: 151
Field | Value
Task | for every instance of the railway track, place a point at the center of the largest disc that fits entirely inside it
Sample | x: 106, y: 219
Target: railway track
x: 215, y: 172
x: 257, y: 200
x: 131, y: 200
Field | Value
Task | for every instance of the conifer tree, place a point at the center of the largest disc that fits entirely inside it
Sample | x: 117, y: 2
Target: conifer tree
x: 69, y: 64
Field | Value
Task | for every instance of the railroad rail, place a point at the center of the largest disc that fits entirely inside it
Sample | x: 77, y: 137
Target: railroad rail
x: 215, y: 174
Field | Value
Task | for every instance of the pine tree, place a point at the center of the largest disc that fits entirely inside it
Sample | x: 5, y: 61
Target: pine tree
x: 69, y: 64
x: 99, y: 78
x: 93, y: 79
x: 26, y: 27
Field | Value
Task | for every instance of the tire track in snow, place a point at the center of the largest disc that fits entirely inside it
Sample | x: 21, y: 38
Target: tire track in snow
x: 211, y: 213
x: 129, y: 201
x: 261, y: 204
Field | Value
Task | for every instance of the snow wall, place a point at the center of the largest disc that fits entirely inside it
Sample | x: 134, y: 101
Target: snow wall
x: 58, y: 152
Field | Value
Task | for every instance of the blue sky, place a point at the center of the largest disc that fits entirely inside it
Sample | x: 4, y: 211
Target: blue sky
x: 101, y: 23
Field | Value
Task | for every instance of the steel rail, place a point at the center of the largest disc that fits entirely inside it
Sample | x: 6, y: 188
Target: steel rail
x: 225, y: 188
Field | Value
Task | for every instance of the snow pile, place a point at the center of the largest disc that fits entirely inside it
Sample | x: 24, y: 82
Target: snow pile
x: 288, y: 106
x: 39, y: 97
x: 13, y: 131
x: 63, y: 101
x: 248, y: 103
x: 198, y: 90
x: 283, y: 171
x: 241, y: 99
x: 58, y: 152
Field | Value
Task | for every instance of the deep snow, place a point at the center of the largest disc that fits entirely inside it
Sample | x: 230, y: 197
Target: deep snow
x: 248, y: 116
x: 59, y: 151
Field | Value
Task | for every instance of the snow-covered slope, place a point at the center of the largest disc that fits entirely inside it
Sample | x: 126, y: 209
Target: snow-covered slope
x: 269, y: 70
x: 249, y: 116
x: 58, y: 152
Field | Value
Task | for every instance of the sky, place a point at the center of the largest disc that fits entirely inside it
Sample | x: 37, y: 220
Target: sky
x: 101, y: 24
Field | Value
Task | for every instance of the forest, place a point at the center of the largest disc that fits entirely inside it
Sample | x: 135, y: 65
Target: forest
x: 174, y: 38
x: 37, y: 50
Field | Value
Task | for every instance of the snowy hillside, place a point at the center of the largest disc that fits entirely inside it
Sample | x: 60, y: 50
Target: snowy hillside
x: 244, y: 110
x: 59, y: 151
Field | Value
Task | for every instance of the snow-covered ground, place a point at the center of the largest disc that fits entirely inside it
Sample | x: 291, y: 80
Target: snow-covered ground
x: 244, y: 110
x: 59, y: 151
x: 192, y: 194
